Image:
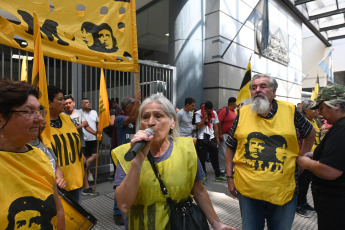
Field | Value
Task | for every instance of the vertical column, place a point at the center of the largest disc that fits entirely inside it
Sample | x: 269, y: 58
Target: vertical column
x: 77, y: 83
x: 186, y: 29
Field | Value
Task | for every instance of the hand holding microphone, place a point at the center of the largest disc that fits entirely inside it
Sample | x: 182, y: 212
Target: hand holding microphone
x: 137, y: 146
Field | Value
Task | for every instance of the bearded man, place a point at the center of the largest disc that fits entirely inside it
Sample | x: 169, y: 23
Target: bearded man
x: 266, y: 192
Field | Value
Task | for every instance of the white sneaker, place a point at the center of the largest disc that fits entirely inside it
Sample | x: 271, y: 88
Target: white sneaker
x: 90, y: 177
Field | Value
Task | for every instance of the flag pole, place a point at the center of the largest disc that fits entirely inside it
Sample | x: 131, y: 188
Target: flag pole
x: 94, y: 191
x: 240, y: 29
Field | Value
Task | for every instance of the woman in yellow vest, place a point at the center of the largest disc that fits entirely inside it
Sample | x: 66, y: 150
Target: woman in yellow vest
x: 138, y: 191
x: 66, y: 143
x: 28, y: 189
x: 303, y: 208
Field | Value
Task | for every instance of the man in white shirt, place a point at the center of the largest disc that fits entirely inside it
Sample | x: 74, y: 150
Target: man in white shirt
x: 90, y: 137
x: 80, y: 122
x: 206, y: 121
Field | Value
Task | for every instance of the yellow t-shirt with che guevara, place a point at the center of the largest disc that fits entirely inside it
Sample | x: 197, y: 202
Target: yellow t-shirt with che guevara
x: 66, y: 145
x: 265, y: 158
x: 26, y: 189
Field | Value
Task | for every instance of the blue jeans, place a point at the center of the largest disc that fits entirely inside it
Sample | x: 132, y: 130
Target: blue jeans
x: 254, y: 212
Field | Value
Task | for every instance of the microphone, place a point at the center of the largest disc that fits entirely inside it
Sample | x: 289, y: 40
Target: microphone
x: 132, y: 152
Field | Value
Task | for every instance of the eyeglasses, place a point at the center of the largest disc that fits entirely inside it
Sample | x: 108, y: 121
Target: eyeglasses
x: 31, y: 114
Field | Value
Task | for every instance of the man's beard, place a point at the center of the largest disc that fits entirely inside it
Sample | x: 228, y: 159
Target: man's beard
x: 260, y: 105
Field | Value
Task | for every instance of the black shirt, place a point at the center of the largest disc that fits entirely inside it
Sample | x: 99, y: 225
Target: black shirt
x: 331, y: 153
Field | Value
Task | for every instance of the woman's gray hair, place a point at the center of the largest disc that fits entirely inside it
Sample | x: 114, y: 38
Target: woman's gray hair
x: 166, y: 106
x: 305, y: 104
x: 333, y: 104
x: 273, y: 82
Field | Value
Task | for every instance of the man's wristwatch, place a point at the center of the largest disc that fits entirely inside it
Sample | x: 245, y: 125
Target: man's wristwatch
x: 232, y: 176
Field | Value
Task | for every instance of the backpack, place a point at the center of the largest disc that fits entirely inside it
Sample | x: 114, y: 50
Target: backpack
x: 226, y: 113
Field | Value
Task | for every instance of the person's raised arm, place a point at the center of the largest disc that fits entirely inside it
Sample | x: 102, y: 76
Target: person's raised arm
x: 112, y: 120
x: 127, y: 191
x: 134, y: 111
x: 200, y: 124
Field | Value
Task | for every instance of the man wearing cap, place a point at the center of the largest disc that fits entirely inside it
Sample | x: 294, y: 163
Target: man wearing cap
x: 327, y: 163
x: 226, y: 118
x: 125, y: 130
x: 266, y: 189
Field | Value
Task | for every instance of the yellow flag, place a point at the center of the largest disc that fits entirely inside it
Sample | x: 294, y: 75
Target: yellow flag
x: 100, y: 33
x: 316, y: 89
x: 244, y: 92
x: 24, y: 75
x: 39, y: 79
x: 104, y: 114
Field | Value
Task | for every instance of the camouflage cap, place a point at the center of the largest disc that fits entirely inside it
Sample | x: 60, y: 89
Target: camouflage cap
x: 330, y: 92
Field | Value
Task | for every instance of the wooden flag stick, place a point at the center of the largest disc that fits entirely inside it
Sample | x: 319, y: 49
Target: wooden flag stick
x: 94, y: 191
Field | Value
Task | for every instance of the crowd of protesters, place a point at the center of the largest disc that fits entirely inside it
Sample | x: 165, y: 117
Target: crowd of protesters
x: 268, y: 153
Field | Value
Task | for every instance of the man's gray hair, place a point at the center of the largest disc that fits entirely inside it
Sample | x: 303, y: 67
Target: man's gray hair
x: 273, y: 82
x: 333, y: 104
x: 166, y: 106
x: 305, y: 105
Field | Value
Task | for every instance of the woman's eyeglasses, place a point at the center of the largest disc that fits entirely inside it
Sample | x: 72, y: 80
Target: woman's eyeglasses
x: 31, y: 114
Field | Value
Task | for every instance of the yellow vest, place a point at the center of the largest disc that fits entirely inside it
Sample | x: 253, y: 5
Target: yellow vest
x: 178, y: 174
x: 266, y: 153
x: 317, y: 135
x: 67, y: 148
x: 26, y: 185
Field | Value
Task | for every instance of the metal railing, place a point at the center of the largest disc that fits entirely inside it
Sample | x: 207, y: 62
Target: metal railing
x: 83, y: 82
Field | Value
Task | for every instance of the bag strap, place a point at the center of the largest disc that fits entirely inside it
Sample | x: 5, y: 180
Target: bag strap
x: 226, y: 113
x: 163, y: 188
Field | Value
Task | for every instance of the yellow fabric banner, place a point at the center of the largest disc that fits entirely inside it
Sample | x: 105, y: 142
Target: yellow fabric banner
x: 98, y: 33
x: 244, y: 92
x: 104, y: 114
x: 39, y: 78
x: 315, y: 91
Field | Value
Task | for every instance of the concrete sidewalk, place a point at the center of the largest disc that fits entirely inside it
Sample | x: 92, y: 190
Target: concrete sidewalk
x: 225, y: 205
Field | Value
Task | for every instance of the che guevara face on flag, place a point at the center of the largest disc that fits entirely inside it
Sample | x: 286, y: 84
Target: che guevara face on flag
x: 266, y: 153
x: 99, y: 33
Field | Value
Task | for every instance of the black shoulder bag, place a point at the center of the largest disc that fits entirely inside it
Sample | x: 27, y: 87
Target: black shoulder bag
x: 185, y: 215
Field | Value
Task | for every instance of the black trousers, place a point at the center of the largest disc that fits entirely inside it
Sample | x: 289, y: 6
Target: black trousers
x: 202, y: 149
x: 303, y: 184
x: 330, y: 210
